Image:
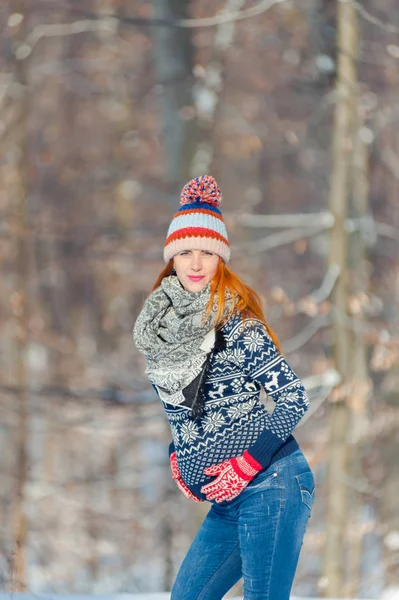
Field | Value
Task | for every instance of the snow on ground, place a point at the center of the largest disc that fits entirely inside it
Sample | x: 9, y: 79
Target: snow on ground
x: 164, y: 596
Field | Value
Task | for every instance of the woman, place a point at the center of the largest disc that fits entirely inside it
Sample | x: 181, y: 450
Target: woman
x: 209, y: 351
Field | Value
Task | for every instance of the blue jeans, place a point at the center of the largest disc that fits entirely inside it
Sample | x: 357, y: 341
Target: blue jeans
x: 258, y: 536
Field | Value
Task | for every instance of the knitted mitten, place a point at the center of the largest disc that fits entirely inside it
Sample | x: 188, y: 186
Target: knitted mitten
x: 176, y: 475
x: 233, y: 476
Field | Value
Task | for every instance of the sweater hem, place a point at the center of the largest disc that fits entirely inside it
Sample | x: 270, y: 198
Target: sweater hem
x: 288, y: 447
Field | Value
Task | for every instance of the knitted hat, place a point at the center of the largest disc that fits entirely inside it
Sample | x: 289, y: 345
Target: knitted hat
x: 198, y: 224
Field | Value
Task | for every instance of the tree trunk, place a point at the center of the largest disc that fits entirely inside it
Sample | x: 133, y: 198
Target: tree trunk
x: 207, y: 94
x: 174, y: 73
x: 338, y: 461
x: 20, y: 308
x: 361, y: 388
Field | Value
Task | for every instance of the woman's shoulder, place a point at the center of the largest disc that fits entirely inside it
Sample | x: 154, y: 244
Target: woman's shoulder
x: 243, y: 336
x: 238, y: 326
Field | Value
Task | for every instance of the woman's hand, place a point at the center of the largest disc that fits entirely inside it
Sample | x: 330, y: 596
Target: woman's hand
x: 232, y: 476
x: 176, y: 475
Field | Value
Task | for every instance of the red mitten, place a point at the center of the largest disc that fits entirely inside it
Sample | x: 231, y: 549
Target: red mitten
x: 176, y: 475
x: 233, y: 476
x: 174, y: 467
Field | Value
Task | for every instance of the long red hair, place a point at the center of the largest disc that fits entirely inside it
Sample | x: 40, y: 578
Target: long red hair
x: 244, y: 299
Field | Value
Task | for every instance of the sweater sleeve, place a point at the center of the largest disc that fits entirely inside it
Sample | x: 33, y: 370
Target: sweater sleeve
x: 171, y: 445
x: 171, y: 448
x: 263, y: 362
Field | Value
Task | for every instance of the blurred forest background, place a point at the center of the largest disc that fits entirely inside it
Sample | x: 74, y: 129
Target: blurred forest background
x: 107, y: 107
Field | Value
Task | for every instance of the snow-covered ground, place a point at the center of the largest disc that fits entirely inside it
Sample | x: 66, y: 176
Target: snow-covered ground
x: 35, y: 596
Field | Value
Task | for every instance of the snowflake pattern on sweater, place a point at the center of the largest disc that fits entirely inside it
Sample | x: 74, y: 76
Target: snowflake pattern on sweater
x: 235, y: 419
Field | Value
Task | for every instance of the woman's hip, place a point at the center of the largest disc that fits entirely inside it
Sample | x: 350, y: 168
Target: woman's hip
x: 287, y: 481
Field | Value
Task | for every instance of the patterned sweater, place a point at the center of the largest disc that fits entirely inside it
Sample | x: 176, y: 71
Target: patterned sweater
x: 235, y: 419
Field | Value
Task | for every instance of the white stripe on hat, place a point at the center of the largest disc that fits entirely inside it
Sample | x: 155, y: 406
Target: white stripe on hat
x: 184, y: 220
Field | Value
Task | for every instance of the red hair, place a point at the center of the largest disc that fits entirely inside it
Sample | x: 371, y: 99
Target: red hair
x: 244, y: 299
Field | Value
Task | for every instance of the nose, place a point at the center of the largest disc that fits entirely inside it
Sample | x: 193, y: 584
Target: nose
x: 196, y: 263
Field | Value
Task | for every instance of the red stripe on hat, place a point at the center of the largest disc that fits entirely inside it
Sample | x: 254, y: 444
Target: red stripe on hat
x: 204, y: 211
x: 196, y: 232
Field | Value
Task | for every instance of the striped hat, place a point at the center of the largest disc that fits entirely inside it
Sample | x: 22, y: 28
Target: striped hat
x: 198, y: 224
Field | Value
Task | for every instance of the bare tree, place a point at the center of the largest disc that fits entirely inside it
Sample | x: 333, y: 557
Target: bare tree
x: 340, y: 411
x: 174, y: 51
x: 21, y: 304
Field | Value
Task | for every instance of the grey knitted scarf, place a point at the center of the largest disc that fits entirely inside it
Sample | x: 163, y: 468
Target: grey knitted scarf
x: 176, y: 340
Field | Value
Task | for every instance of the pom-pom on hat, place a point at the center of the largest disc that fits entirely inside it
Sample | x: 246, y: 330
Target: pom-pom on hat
x: 198, y: 224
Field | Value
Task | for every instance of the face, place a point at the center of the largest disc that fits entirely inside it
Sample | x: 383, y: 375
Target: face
x: 195, y: 268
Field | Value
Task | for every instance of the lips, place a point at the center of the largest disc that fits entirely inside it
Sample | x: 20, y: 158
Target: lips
x: 196, y: 278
